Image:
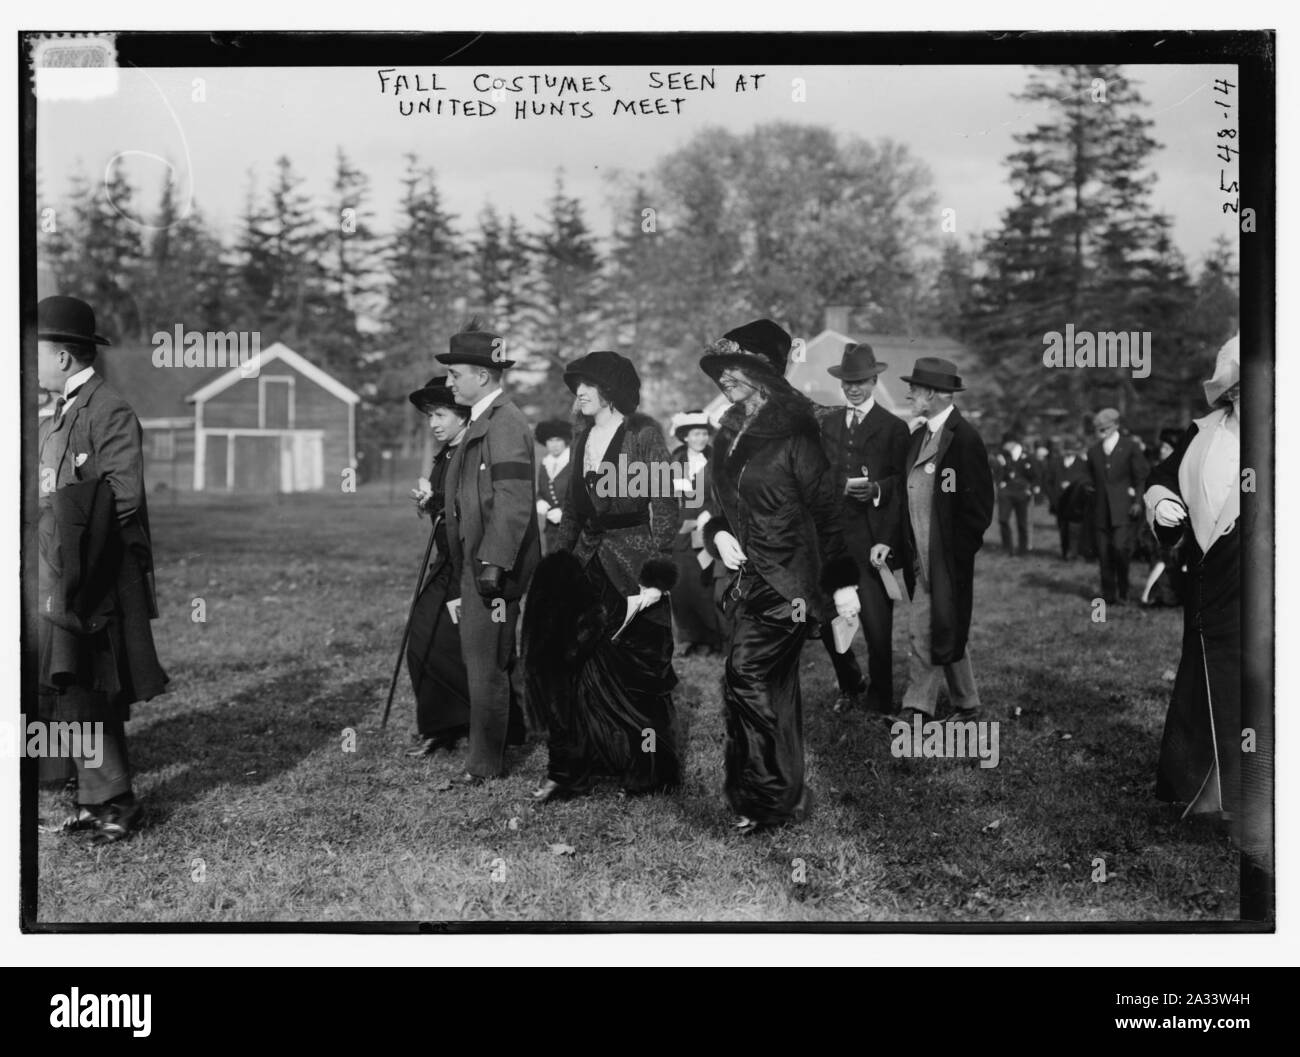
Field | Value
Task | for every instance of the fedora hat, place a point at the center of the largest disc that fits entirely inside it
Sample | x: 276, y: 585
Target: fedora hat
x: 434, y: 394
x: 615, y: 376
x: 935, y: 373
x: 61, y: 318
x: 477, y: 348
x: 857, y: 364
x: 761, y: 346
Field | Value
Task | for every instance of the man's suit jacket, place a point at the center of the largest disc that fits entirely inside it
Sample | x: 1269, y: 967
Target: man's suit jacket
x: 1014, y: 478
x: 1118, y: 479
x: 880, y: 443
x: 960, y: 512
x: 490, y: 508
x: 98, y: 438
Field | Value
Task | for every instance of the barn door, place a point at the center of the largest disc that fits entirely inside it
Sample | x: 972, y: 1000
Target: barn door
x: 302, y: 466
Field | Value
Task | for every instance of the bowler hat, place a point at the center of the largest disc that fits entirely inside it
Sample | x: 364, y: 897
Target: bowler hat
x: 936, y: 373
x: 613, y: 374
x: 434, y: 394
x: 685, y: 421
x: 554, y: 427
x: 760, y: 346
x: 478, y: 348
x: 857, y: 364
x: 61, y: 318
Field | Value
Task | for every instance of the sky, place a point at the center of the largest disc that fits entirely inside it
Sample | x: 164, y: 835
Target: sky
x: 221, y: 127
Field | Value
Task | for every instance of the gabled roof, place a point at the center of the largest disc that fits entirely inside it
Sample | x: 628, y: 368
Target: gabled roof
x: 278, y: 351
x: 153, y: 392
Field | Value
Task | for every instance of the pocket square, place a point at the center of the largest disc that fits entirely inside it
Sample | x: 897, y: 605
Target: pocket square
x: 81, y: 459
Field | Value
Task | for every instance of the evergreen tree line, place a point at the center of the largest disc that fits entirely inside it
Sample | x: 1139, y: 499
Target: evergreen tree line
x: 781, y: 221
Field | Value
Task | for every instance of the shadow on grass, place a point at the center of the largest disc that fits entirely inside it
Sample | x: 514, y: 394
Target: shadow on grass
x: 249, y: 739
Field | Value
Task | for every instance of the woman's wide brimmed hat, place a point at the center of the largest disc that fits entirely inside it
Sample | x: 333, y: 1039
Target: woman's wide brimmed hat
x: 685, y: 421
x: 935, y: 373
x: 61, y: 318
x: 552, y: 428
x: 857, y: 364
x: 613, y: 374
x: 1227, y: 370
x: 434, y: 394
x: 761, y: 348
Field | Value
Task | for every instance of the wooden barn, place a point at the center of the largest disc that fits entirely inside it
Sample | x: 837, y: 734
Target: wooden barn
x: 277, y: 424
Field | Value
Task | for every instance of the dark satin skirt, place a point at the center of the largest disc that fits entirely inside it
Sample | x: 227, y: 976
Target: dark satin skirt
x: 433, y: 659
x: 694, y: 611
x: 764, y: 751
x: 619, y: 720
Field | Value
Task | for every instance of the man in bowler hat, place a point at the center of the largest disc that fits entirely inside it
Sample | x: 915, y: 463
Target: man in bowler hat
x: 865, y: 446
x: 948, y: 496
x: 1118, y: 470
x: 95, y: 566
x: 493, y: 538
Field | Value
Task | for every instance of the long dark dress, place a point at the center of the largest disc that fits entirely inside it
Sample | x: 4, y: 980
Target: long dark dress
x: 433, y: 656
x: 695, y: 612
x: 1200, y: 753
x: 606, y: 703
x: 773, y: 490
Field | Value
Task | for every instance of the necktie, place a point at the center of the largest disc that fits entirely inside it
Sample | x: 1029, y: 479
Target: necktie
x: 60, y: 402
x: 857, y: 418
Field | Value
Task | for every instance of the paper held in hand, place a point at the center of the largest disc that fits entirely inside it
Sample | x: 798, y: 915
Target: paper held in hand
x: 844, y: 628
x: 890, y: 581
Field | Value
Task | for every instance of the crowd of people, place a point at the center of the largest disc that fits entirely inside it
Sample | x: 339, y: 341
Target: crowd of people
x: 558, y: 590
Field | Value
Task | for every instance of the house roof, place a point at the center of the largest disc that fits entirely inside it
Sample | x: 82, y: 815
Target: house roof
x: 278, y: 351
x: 897, y: 351
x: 153, y: 392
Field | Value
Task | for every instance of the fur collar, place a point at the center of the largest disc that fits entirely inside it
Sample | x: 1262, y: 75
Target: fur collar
x: 783, y: 415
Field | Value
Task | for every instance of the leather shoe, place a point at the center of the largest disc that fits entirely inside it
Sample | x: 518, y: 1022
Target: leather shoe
x: 117, y: 822
x: 548, y: 790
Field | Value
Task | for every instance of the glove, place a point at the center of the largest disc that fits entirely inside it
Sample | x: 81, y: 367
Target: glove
x: 555, y: 515
x: 846, y: 601
x: 1170, y: 512
x: 728, y: 548
x: 543, y: 506
x: 879, y: 554
x: 489, y: 581
x: 650, y: 595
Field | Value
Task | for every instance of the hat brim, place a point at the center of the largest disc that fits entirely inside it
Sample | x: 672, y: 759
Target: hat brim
x: 714, y: 363
x: 932, y: 383
x: 61, y: 335
x: 681, y: 431
x: 450, y: 359
x: 837, y: 371
x: 425, y: 404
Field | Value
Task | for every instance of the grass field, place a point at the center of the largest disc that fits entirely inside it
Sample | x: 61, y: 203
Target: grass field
x: 256, y: 812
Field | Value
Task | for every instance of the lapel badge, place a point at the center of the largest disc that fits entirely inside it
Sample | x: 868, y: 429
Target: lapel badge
x: 81, y: 459
x: 929, y: 466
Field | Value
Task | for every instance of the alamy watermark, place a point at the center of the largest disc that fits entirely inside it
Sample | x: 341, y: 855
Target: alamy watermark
x: 953, y: 740
x: 208, y: 348
x: 1130, y: 350
x: 81, y: 740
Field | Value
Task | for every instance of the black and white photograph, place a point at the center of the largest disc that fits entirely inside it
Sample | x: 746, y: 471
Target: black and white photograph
x: 641, y: 482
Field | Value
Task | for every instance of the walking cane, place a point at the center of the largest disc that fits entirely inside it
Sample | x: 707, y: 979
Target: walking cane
x: 406, y: 632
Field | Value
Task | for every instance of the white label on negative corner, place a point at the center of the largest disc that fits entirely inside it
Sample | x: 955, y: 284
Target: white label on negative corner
x: 74, y: 66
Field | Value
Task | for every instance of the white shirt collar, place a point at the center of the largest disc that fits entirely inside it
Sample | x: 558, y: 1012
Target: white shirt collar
x: 865, y: 407
x: 77, y: 381
x: 555, y: 463
x: 483, y: 403
x: 935, y: 422
x: 1108, y: 445
x: 1016, y: 452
